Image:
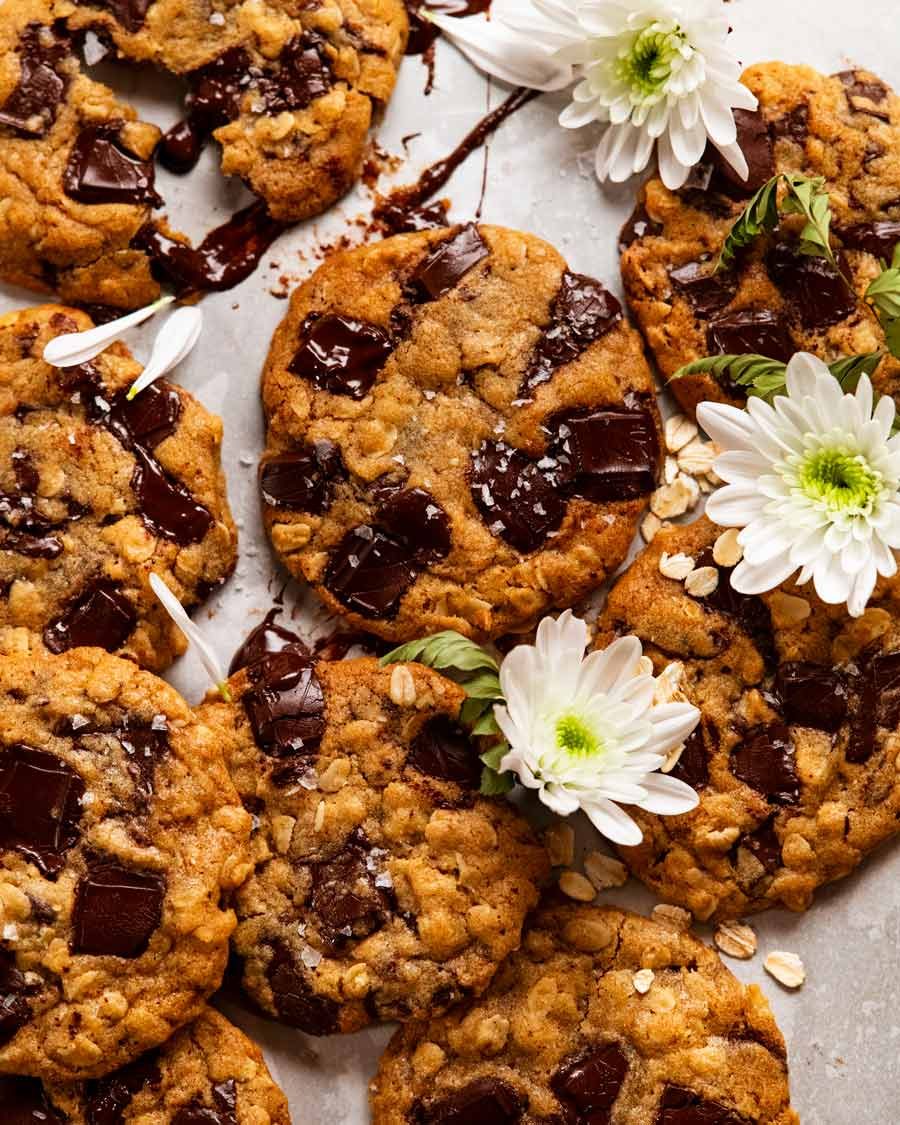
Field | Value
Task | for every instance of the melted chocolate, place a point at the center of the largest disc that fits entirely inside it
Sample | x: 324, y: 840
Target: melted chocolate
x: 750, y: 332
x: 606, y: 454
x: 446, y: 265
x: 879, y: 239
x: 814, y: 289
x: 25, y: 1102
x: 32, y: 106
x: 117, y: 909
x: 416, y: 519
x: 166, y: 505
x: 812, y: 696
x: 398, y: 219
x: 222, y: 1112
x: 144, y: 744
x: 303, y: 75
x: 294, y: 1000
x: 486, y: 1100
x: 706, y: 292
x: 15, y: 1009
x: 765, y: 762
x: 341, y: 355
x: 877, y: 703
x: 765, y: 845
x: 639, y: 225
x: 267, y: 638
x: 107, y: 1099
x: 40, y: 806
x: 130, y: 13
x: 345, y: 900
x: 680, y: 1106
x: 148, y: 419
x: 100, y: 617
x: 755, y: 142
x: 442, y: 749
x: 520, y: 502
x: 422, y: 32
x: 101, y: 170
x: 589, y: 1084
x: 286, y: 706
x: 693, y: 765
x: 749, y: 611
x: 22, y: 529
x: 303, y: 479
x: 583, y: 312
x: 794, y: 125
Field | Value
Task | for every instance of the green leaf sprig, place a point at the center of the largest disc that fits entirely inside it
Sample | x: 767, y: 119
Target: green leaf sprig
x: 478, y: 674
x: 884, y: 296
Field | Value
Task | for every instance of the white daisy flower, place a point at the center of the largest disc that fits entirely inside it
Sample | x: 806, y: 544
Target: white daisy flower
x: 814, y: 482
x: 657, y: 72
x: 588, y: 732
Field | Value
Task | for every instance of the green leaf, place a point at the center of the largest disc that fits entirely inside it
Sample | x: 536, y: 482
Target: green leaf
x: 807, y: 197
x: 448, y: 650
x: 849, y: 371
x: 760, y: 216
x: 884, y: 296
x: 762, y: 376
x: 495, y: 784
x: 494, y: 756
x: 485, y: 725
x: 474, y: 712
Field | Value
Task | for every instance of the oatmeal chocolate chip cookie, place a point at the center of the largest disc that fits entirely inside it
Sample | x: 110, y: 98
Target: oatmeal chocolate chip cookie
x: 564, y: 1036
x: 796, y: 759
x: 120, y: 832
x: 774, y: 301
x: 462, y: 433
x: 97, y: 493
x: 384, y: 887
x: 209, y: 1073
x: 289, y: 95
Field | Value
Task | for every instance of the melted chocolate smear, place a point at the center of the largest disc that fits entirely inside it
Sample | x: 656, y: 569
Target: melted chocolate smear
x: 765, y: 762
x: 814, y: 289
x: 583, y: 312
x: 765, y: 845
x: 265, y: 640
x: 100, y: 617
x: 130, y: 13
x: 107, y: 1099
x: 604, y: 455
x: 40, y: 806
x: 302, y: 480
x: 304, y: 74
x: 423, y: 33
x: 222, y: 1112
x: 117, y: 909
x: 391, y: 210
x: 32, y: 106
x: 680, y: 1106
x: 24, y: 1102
x: 520, y: 502
x: 442, y: 749
x: 879, y: 239
x: 589, y: 1084
x: 812, y: 696
x: 225, y: 258
x: 346, y: 902
x: 706, y: 292
x: 341, y: 355
x: 148, y: 419
x: 693, y: 765
x: 15, y: 1010
x: 101, y: 170
x: 166, y: 505
x: 750, y: 332
x: 286, y: 707
x: 865, y: 93
x: 408, y: 220
x: 446, y: 265
x: 877, y: 705
x: 294, y: 1000
x: 639, y: 225
x: 755, y: 141
x: 486, y: 1100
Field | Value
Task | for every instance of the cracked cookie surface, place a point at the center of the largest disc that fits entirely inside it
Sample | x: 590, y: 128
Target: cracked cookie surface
x: 462, y: 433
x: 563, y: 1035
x: 797, y: 757
x: 774, y: 301
x: 97, y: 493
x: 384, y: 887
x: 120, y: 833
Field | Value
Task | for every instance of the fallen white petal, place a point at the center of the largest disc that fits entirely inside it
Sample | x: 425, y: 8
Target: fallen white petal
x: 174, y: 341
x: 177, y: 612
x: 76, y: 348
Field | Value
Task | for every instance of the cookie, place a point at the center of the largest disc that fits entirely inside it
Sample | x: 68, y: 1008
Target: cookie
x: 462, y: 433
x: 97, y: 493
x: 120, y: 833
x: 289, y: 94
x: 566, y: 1035
x: 796, y: 758
x: 774, y: 301
x: 209, y: 1073
x: 383, y: 887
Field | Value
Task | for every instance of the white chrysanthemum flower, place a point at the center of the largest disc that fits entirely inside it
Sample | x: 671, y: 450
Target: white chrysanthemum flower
x: 658, y: 72
x: 814, y: 482
x: 587, y: 732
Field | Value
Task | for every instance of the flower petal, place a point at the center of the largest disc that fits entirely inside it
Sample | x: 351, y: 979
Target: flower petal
x: 205, y: 651
x: 507, y: 54
x: 667, y: 796
x: 614, y: 823
x: 174, y: 342
x: 75, y: 348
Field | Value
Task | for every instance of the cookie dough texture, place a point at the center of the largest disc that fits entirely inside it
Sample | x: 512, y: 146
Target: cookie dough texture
x: 563, y: 1035
x: 96, y: 494
x: 383, y: 887
x: 796, y: 758
x: 845, y: 128
x: 462, y: 433
x: 121, y: 833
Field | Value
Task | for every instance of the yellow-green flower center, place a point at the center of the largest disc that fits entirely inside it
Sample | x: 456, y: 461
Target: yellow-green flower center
x: 646, y: 66
x: 576, y: 738
x: 844, y: 482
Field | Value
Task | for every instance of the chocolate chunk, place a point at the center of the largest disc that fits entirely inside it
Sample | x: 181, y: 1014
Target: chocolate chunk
x: 22, y: 529
x: 589, y: 1084
x: 15, y: 1010
x: 100, y: 617
x: 303, y: 75
x: 144, y: 744
x: 117, y: 909
x: 755, y: 142
x: 346, y: 901
x: 31, y: 545
x: 639, y: 225
x: 604, y: 455
x: 370, y: 571
x: 102, y: 170
x: 166, y: 505
x: 304, y: 479
x: 877, y: 703
x: 446, y: 265
x: 341, y: 355
x: 130, y: 13
x: 442, y: 749
x: 40, y: 806
x: 683, y: 1107
x: 815, y: 290
x: 222, y: 1112
x: 214, y: 100
x: 751, y: 332
x: 518, y: 501
x: 865, y: 93
x: 294, y: 1000
x: 582, y: 313
x: 486, y: 1101
x: 812, y: 696
x: 765, y: 845
x: 765, y: 762
x: 267, y: 638
x: 149, y: 418
x: 415, y: 518
x: 749, y: 611
x: 24, y: 1102
x: 286, y: 706
x: 693, y: 766
x: 793, y: 125
x: 34, y: 103
x: 707, y: 292
x: 879, y: 239
x: 107, y: 1099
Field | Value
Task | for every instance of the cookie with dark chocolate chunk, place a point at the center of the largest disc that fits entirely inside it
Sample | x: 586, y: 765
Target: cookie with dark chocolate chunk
x: 120, y: 833
x: 98, y: 492
x: 462, y: 433
x: 795, y: 759
x: 563, y: 1035
x: 384, y: 886
x: 774, y: 301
